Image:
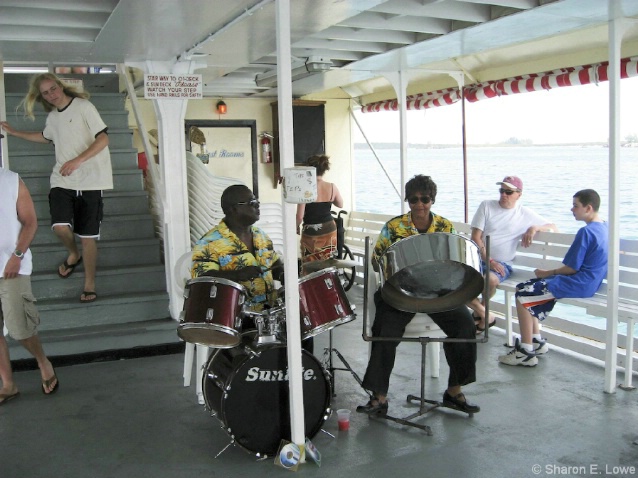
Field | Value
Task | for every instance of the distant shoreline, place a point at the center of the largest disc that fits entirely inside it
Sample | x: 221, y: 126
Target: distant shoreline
x: 499, y: 145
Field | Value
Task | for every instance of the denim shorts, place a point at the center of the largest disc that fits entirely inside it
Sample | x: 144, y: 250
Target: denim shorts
x: 508, y: 270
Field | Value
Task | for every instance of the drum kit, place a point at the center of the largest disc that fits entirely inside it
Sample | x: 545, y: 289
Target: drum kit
x: 245, y: 382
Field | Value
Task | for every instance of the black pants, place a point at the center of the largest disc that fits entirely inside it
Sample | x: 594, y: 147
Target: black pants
x: 390, y: 322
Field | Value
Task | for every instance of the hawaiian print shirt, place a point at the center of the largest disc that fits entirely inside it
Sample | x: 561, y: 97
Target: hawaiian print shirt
x: 221, y: 249
x: 401, y: 227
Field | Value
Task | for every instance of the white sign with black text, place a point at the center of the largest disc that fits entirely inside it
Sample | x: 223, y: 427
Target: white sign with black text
x: 172, y: 87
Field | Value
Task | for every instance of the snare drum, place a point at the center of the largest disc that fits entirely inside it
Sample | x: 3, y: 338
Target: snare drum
x: 212, y: 312
x: 247, y: 388
x: 322, y: 303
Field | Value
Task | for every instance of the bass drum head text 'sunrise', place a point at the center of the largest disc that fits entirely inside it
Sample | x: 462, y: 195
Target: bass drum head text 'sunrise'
x: 249, y: 393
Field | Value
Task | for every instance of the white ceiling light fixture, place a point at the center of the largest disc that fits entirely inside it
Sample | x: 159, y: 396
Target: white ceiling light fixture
x: 313, y: 65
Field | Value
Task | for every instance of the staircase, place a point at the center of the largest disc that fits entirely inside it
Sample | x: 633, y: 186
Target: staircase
x: 132, y: 305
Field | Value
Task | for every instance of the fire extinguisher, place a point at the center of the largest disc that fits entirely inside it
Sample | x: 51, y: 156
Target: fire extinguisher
x: 266, y: 148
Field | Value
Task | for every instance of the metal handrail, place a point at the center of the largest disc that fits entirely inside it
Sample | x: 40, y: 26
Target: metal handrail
x: 157, y: 198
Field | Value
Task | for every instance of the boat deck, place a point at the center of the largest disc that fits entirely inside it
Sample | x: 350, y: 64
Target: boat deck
x: 134, y: 417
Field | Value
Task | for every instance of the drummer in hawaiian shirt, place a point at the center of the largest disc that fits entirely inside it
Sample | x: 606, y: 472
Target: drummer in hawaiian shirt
x: 238, y: 251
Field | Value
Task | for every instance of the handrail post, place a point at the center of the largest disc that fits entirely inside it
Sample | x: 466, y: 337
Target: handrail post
x: 159, y: 200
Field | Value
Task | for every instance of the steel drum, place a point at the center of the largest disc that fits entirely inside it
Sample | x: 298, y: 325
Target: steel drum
x: 431, y: 272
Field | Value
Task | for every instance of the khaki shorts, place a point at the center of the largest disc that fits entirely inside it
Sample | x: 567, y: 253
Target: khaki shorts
x: 18, y: 312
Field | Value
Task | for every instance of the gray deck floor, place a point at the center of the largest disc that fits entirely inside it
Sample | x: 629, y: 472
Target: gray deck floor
x: 134, y: 418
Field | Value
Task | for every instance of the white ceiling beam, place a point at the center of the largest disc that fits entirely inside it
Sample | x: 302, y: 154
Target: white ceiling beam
x: 358, y: 34
x: 64, y: 5
x: 373, y: 47
x: 49, y: 34
x: 382, y: 21
x: 520, y: 4
x: 340, y: 55
x: 45, y: 18
x: 451, y: 10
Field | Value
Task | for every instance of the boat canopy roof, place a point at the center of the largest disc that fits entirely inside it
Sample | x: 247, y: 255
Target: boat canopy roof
x: 339, y: 49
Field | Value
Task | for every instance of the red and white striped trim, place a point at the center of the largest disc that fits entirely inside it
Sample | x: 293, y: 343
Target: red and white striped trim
x: 582, y: 75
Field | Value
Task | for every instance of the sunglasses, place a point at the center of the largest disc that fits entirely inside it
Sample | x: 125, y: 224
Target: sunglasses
x: 416, y: 199
x: 252, y: 202
x: 509, y: 192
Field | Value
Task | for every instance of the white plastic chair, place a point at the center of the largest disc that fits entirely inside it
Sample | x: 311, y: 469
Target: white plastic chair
x: 421, y: 325
x: 182, y: 273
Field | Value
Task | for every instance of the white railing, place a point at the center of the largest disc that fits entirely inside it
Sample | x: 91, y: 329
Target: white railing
x: 560, y: 327
x: 153, y: 179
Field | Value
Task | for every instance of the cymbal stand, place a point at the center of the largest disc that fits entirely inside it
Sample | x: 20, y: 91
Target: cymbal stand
x: 328, y: 358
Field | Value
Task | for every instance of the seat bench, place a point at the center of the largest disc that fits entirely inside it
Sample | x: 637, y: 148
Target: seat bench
x: 546, y: 252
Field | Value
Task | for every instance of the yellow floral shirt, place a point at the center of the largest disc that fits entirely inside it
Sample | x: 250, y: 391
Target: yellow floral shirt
x: 401, y: 227
x: 221, y: 249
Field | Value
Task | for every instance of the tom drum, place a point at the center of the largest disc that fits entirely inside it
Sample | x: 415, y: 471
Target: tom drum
x: 323, y: 303
x: 212, y: 312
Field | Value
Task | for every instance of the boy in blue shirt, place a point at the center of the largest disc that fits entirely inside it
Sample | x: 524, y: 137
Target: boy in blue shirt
x: 583, y: 270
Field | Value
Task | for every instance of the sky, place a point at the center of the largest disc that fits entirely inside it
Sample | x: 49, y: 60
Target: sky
x: 576, y: 114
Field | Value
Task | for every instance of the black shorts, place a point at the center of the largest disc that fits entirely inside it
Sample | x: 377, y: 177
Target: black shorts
x: 82, y: 211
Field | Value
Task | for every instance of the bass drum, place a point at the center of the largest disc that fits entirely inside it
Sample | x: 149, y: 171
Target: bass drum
x: 247, y: 388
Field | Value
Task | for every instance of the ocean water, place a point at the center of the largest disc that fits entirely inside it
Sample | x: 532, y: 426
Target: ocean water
x: 551, y: 175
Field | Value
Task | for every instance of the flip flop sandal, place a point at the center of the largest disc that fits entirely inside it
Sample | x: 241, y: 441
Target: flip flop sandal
x: 68, y: 267
x: 480, y: 330
x: 6, y: 397
x: 47, y: 383
x: 89, y: 296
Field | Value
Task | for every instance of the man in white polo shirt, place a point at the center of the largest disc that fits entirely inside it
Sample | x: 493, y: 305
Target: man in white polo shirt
x: 506, y: 222
x: 81, y: 172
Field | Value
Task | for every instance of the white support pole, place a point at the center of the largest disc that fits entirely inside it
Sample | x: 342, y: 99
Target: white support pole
x: 399, y: 81
x: 615, y: 41
x: 629, y: 355
x: 286, y: 151
x: 174, y: 181
x: 4, y: 152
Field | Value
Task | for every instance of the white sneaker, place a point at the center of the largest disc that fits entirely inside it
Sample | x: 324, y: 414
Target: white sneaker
x: 519, y: 356
x: 540, y: 346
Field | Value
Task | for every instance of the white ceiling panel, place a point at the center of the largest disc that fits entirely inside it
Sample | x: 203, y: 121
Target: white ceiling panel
x: 236, y: 40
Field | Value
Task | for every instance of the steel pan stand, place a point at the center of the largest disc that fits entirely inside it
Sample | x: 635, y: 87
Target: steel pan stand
x: 425, y: 405
x: 331, y: 366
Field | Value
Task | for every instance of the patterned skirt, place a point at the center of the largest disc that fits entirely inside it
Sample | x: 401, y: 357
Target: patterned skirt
x: 318, y: 241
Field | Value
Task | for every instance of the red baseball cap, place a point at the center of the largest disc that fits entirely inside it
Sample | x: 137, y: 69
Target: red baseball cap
x: 512, y: 182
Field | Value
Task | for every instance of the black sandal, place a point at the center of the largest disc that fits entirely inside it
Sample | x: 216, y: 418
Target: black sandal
x: 374, y: 409
x: 69, y: 268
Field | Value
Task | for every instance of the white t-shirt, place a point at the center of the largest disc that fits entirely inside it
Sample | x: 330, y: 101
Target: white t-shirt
x: 72, y: 131
x: 11, y: 227
x: 505, y: 227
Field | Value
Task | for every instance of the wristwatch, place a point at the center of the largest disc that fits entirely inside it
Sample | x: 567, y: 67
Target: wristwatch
x: 18, y: 253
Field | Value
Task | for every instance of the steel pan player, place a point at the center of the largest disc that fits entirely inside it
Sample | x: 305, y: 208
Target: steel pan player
x: 420, y: 193
x: 238, y: 251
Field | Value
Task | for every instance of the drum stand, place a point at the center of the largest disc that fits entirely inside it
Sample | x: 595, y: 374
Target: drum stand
x: 331, y: 368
